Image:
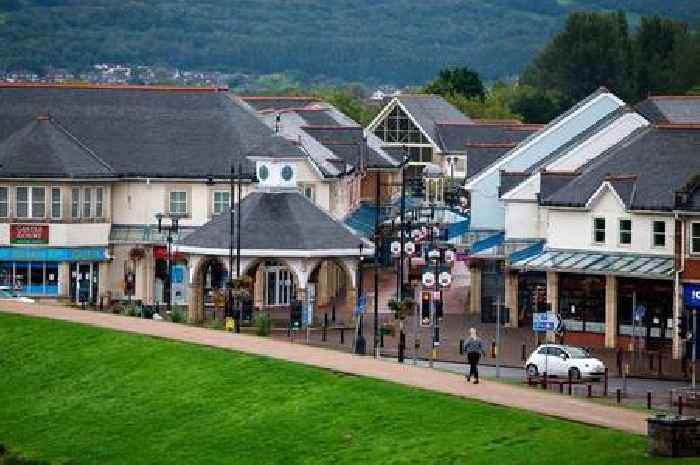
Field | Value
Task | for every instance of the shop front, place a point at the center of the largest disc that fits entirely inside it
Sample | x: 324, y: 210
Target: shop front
x: 179, y: 272
x: 52, y: 271
x: 645, y: 312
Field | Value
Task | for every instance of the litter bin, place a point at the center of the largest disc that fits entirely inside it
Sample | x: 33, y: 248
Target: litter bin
x: 673, y: 436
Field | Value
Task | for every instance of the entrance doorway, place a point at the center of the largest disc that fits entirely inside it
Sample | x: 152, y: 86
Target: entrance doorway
x: 84, y: 282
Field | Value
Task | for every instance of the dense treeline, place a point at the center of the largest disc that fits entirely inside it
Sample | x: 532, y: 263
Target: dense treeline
x: 403, y: 42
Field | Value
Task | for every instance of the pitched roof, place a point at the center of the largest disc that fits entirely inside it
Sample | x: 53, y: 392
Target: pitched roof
x: 646, y: 170
x: 43, y: 148
x: 144, y: 131
x: 332, y: 140
x: 457, y: 137
x: 671, y: 109
x: 282, y: 220
x: 483, y: 156
x: 510, y: 180
x: 428, y: 110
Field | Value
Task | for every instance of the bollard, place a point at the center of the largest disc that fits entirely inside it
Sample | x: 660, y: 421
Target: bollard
x: 381, y: 338
x: 522, y: 354
x: 544, y: 380
x: 680, y: 406
x: 402, y: 346
x: 618, y: 394
x: 648, y: 400
x: 493, y: 350
x: 461, y: 347
x: 561, y: 388
x: 651, y: 362
x: 605, y: 383
x: 325, y: 327
x: 570, y: 381
x: 342, y: 336
x: 619, y: 361
x: 590, y: 390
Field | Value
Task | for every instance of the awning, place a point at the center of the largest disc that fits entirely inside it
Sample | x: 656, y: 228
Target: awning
x: 643, y: 266
x: 487, y: 243
x: 53, y: 254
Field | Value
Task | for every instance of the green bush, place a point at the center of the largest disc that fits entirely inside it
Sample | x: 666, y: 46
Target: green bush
x: 177, y: 316
x: 129, y: 310
x: 262, y: 324
x: 215, y: 323
x: 117, y: 309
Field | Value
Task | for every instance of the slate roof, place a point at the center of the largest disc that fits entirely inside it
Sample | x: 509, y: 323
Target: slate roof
x: 552, y: 182
x: 43, y: 148
x: 332, y: 141
x: 671, y: 109
x: 457, y: 137
x: 481, y: 157
x: 428, y: 110
x: 146, y: 131
x: 646, y: 170
x: 282, y: 220
x: 510, y: 180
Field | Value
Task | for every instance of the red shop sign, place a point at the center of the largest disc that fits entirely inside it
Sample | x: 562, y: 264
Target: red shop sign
x: 29, y: 234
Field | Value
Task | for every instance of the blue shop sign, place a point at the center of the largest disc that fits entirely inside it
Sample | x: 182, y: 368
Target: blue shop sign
x: 53, y: 254
x: 691, y: 295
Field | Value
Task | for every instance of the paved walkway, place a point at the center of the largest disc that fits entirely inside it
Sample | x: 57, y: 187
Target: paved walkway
x: 421, y: 377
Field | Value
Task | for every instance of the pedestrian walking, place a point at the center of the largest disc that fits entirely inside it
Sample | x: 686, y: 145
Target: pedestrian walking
x: 474, y: 350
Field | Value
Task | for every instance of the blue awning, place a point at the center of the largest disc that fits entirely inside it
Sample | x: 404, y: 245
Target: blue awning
x: 53, y: 254
x: 528, y: 252
x: 643, y: 266
x: 488, y: 243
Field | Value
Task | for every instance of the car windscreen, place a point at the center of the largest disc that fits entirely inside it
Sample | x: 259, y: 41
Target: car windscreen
x: 577, y: 352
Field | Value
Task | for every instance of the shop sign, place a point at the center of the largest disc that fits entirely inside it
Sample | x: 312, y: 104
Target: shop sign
x: 691, y: 295
x: 29, y: 234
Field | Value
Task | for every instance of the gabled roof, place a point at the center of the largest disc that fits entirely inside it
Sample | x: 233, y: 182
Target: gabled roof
x: 283, y: 220
x: 333, y: 142
x: 457, y: 137
x: 482, y: 156
x: 147, y: 131
x: 646, y: 170
x: 428, y: 110
x: 43, y: 148
x: 510, y: 180
x: 671, y: 109
x: 546, y: 130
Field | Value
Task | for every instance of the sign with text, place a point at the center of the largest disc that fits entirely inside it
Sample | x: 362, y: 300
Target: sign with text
x: 545, y: 322
x: 691, y: 295
x: 29, y: 234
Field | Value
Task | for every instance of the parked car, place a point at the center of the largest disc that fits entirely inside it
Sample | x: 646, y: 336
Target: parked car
x: 560, y: 360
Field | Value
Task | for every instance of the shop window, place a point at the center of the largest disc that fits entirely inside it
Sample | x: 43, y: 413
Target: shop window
x: 582, y: 302
x: 599, y: 230
x: 4, y: 204
x: 625, y: 232
x: 222, y: 202
x: 178, y: 203
x: 99, y: 202
x: 659, y: 234
x: 653, y: 300
x: 55, y: 202
x: 75, y: 203
x: 695, y: 238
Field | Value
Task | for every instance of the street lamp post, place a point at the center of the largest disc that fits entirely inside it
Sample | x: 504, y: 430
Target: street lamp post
x: 360, y: 339
x: 376, y: 266
x: 173, y: 228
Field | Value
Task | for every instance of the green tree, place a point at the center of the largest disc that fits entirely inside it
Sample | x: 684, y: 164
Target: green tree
x: 594, y: 49
x: 495, y: 105
x: 457, y: 81
x: 535, y: 105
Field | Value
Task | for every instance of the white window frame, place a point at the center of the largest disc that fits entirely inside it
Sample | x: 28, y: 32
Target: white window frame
x: 277, y: 300
x: 87, y: 202
x: 654, y: 234
x: 30, y: 201
x: 170, y: 203
x: 52, y: 203
x: 6, y: 202
x: 99, y: 202
x: 620, y: 231
x: 304, y: 186
x: 595, y: 230
x: 75, y: 205
x: 692, y: 249
x: 225, y: 206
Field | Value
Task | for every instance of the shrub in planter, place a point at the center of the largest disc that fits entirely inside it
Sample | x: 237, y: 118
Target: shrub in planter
x: 262, y: 325
x: 177, y: 316
x: 129, y: 310
x: 117, y: 309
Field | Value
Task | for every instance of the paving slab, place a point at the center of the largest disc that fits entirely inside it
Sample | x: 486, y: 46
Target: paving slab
x: 410, y: 375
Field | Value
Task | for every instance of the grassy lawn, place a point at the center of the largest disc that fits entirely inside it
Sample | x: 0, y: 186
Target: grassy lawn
x: 84, y: 395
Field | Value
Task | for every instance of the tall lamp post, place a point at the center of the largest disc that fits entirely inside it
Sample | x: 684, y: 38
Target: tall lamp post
x: 173, y: 228
x: 360, y: 339
x: 234, y: 308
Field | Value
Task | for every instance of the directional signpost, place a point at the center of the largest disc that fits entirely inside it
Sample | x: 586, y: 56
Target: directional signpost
x: 542, y: 322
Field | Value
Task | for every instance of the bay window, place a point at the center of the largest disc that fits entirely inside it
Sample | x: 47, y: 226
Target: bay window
x: 75, y: 203
x: 30, y: 202
x: 55, y: 202
x: 4, y: 203
x: 87, y: 203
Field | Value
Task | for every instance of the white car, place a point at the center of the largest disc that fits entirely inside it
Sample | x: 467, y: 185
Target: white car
x: 560, y: 360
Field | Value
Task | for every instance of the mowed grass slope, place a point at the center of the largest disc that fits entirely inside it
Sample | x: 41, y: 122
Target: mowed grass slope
x: 86, y: 395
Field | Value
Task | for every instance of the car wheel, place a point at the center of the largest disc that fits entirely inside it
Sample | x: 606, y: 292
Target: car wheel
x: 532, y: 371
x: 575, y: 373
